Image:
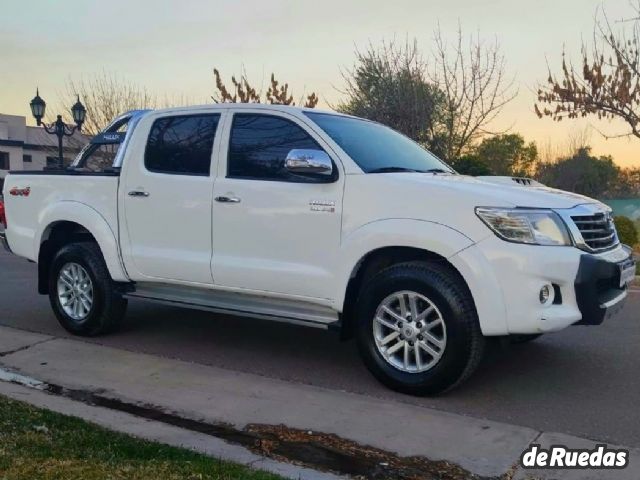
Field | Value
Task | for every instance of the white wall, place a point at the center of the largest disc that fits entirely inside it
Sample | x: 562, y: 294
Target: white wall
x: 14, y: 128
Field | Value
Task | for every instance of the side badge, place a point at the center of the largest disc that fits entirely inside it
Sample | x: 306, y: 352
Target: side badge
x: 322, y: 206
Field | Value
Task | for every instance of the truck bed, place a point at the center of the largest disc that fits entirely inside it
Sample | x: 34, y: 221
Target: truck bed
x: 34, y: 200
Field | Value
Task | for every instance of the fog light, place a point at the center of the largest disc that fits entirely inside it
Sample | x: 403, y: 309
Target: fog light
x: 546, y: 294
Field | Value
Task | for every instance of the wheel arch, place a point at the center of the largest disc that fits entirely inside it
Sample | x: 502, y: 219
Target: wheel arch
x: 68, y: 222
x: 394, y: 241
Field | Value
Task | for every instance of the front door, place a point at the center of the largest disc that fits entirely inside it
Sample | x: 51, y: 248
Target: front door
x: 274, y: 231
x: 167, y: 198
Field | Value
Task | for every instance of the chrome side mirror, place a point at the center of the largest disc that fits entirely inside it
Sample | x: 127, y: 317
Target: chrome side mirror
x: 300, y: 160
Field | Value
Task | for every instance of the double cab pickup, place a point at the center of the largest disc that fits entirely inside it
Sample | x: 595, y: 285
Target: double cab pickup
x: 319, y: 219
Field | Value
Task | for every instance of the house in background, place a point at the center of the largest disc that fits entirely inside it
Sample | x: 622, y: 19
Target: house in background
x: 24, y: 147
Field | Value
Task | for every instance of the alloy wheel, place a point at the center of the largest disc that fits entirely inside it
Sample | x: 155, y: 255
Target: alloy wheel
x: 75, y: 291
x: 409, y: 332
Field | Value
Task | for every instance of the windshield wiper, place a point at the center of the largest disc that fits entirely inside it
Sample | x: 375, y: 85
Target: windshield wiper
x: 394, y: 169
x: 404, y: 169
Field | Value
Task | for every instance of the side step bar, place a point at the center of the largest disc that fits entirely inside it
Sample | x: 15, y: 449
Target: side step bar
x: 241, y: 304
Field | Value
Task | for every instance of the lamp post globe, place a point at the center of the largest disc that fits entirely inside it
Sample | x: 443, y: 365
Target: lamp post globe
x: 79, y: 113
x: 38, y: 106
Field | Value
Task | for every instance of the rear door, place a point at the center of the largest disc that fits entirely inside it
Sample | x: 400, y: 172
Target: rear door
x: 167, y: 195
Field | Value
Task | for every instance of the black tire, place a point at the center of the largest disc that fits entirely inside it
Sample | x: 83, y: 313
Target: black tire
x: 446, y: 289
x: 108, y: 307
x: 524, y: 338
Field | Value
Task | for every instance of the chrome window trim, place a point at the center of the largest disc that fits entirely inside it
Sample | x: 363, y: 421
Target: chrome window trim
x: 586, y: 209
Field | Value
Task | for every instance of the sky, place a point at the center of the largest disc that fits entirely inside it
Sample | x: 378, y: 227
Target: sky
x: 171, y: 48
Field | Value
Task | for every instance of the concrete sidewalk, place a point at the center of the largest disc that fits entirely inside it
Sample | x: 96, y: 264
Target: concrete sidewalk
x: 218, y: 395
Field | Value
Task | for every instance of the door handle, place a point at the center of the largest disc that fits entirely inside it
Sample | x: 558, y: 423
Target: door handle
x: 138, y: 193
x: 226, y: 199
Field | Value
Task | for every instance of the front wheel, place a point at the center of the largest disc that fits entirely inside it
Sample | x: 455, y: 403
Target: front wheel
x: 417, y: 328
x: 82, y: 293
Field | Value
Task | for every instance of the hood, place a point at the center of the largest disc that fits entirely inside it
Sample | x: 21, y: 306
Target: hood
x: 500, y: 191
x: 449, y: 200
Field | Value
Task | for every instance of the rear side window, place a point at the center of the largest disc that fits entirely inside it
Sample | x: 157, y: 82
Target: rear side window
x: 259, y: 145
x: 181, y: 145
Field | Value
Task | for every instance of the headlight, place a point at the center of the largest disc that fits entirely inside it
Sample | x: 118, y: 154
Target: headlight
x: 536, y: 227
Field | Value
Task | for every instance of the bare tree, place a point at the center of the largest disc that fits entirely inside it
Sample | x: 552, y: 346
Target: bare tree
x: 608, y: 84
x: 471, y: 74
x: 574, y: 140
x: 106, y: 95
x: 243, y: 92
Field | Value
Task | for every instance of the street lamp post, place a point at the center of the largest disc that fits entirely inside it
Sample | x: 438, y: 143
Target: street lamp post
x: 58, y: 128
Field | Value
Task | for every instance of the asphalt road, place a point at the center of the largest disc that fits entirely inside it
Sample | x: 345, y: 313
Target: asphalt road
x: 584, y: 381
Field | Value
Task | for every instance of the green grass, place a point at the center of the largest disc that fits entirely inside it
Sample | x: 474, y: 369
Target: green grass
x: 39, y: 444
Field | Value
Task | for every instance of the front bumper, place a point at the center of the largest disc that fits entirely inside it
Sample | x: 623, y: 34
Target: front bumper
x: 5, y: 243
x: 598, y: 291
x: 505, y: 280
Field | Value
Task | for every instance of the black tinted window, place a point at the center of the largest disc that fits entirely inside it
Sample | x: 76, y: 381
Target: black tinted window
x: 259, y: 145
x: 181, y: 145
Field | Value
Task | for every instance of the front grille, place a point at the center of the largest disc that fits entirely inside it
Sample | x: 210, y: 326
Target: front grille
x: 598, y: 230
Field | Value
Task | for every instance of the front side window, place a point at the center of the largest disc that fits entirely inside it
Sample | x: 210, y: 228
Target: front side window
x: 376, y: 148
x: 259, y: 145
x: 181, y: 145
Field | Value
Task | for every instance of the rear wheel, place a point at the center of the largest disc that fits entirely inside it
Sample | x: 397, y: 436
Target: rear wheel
x: 81, y: 292
x: 417, y: 328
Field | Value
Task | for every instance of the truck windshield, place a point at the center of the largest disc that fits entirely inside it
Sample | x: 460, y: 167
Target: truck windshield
x: 376, y: 148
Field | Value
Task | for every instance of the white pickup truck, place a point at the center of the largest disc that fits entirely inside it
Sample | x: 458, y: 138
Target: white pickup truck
x: 319, y: 219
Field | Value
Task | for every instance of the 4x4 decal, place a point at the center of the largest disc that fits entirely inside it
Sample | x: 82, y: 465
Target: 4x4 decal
x: 20, y: 192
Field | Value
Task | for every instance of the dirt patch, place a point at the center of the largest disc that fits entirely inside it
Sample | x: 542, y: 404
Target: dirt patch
x: 361, y: 461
